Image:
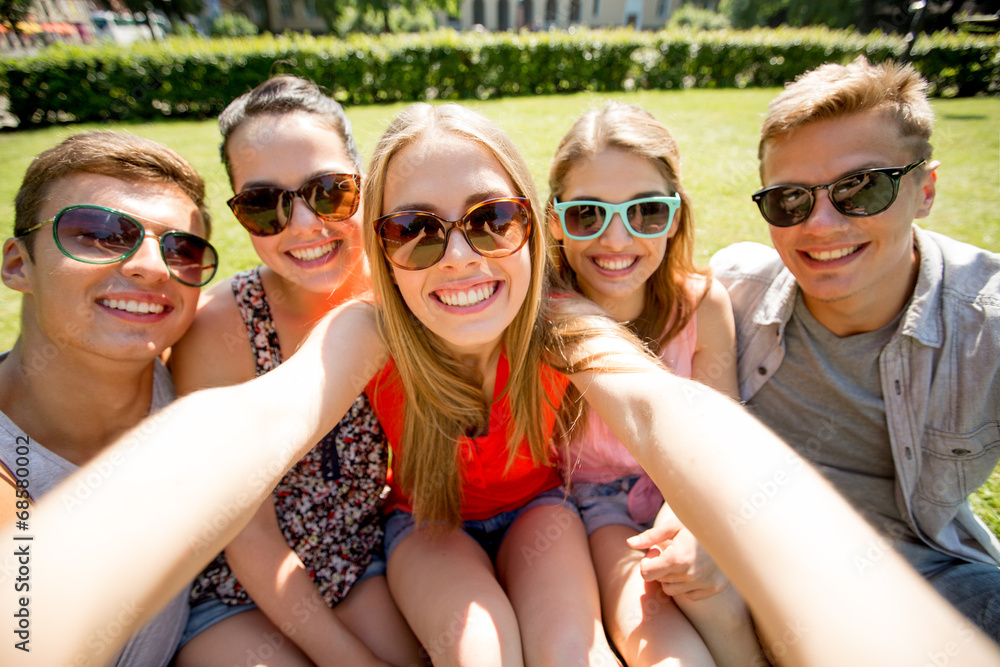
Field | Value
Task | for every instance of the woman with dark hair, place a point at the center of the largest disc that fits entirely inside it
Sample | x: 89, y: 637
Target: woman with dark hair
x: 308, y: 569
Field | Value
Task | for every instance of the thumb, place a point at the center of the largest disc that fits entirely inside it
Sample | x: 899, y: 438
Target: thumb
x: 655, y: 535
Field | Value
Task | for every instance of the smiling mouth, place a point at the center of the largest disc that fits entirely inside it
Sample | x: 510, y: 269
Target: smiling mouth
x: 830, y: 255
x: 467, y: 298
x: 133, y: 306
x: 615, y: 264
x: 309, y: 254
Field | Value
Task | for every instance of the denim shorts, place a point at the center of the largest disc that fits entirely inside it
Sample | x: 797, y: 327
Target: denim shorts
x: 207, y: 613
x: 489, y: 533
x: 606, y: 504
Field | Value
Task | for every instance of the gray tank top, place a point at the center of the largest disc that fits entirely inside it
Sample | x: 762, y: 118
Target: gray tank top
x: 155, y: 643
x: 826, y: 401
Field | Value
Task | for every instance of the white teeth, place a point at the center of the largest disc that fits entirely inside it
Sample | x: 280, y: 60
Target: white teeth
x: 469, y: 297
x: 313, y: 253
x: 615, y: 264
x: 828, y: 255
x: 133, y: 306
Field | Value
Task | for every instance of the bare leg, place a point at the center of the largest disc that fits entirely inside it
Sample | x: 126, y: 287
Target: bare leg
x: 545, y: 567
x: 446, y: 589
x: 249, y: 637
x: 724, y: 622
x: 370, y: 613
x: 645, y: 624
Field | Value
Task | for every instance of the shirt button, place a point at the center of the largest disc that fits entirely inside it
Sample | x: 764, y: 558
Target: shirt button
x: 762, y: 370
x: 960, y: 452
x: 909, y: 453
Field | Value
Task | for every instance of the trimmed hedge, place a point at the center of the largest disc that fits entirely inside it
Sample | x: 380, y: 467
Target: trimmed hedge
x: 198, y: 77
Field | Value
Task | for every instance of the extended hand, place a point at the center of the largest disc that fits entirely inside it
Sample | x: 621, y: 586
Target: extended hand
x: 678, y: 562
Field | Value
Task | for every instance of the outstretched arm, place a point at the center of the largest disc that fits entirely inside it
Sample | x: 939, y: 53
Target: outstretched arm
x: 170, y: 494
x: 791, y: 545
x: 674, y: 557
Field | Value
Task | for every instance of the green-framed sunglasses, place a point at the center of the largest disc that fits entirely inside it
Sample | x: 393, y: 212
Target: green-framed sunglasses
x: 98, y: 235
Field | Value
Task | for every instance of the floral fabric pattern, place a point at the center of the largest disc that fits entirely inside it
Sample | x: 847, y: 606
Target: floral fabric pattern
x: 329, y: 505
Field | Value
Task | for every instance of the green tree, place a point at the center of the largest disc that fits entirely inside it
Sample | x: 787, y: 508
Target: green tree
x: 230, y: 24
x: 383, y: 7
x: 868, y: 15
x: 12, y: 11
x: 332, y: 11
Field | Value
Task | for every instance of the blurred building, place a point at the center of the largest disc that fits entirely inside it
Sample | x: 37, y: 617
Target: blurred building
x: 545, y: 14
x: 278, y: 16
x: 49, y: 21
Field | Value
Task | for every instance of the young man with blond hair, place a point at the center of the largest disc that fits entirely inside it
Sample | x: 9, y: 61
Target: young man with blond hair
x: 109, y: 251
x: 867, y: 343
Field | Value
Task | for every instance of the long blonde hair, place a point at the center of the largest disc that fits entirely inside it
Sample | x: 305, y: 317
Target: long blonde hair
x: 667, y: 306
x: 444, y: 400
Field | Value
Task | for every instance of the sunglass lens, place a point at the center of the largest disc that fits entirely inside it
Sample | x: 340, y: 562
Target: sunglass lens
x: 650, y: 217
x: 332, y: 196
x: 584, y: 220
x: 787, y: 206
x: 412, y: 240
x: 862, y: 194
x: 190, y: 258
x: 95, y: 235
x: 257, y: 210
x: 497, y: 229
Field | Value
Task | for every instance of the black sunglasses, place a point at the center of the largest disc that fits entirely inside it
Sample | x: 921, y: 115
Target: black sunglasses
x: 416, y: 240
x: 858, y: 194
x: 99, y: 235
x: 265, y: 211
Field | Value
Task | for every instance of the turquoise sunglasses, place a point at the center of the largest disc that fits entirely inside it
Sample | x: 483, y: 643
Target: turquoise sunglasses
x: 646, y: 217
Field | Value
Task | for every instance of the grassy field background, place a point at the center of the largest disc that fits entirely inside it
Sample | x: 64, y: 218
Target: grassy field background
x: 717, y: 133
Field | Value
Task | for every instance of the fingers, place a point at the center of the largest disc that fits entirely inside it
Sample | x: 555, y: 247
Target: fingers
x: 655, y: 535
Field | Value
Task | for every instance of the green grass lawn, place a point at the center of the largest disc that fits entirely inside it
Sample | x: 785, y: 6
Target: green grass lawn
x: 717, y: 133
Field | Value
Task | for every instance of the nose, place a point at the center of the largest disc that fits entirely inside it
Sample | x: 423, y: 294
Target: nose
x: 616, y: 236
x: 146, y: 263
x: 824, y: 216
x: 303, y: 221
x: 457, y: 251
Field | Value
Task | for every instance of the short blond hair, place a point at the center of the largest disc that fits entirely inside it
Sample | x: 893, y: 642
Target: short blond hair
x: 835, y: 90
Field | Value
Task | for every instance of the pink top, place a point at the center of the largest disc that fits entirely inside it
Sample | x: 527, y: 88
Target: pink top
x: 596, y: 454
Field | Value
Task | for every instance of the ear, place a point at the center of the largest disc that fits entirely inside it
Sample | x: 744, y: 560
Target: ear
x: 17, y: 266
x: 675, y: 224
x: 927, y: 190
x: 554, y: 227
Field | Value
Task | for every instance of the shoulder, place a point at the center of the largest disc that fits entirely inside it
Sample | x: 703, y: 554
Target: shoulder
x: 746, y: 261
x: 10, y: 495
x: 965, y: 270
x: 215, y: 351
x: 715, y: 308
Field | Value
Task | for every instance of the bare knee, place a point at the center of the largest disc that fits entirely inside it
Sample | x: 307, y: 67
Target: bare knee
x: 474, y: 637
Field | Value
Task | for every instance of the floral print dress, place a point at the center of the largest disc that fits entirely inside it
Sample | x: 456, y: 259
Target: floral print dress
x: 329, y: 504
